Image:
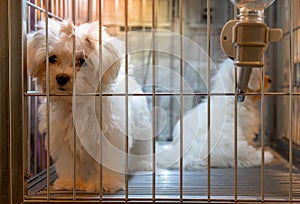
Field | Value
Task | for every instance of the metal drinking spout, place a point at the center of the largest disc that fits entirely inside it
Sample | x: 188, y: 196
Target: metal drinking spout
x: 246, y: 38
x: 242, y: 84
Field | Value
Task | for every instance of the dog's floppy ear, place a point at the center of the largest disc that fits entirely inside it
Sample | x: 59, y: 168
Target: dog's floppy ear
x: 88, y: 35
x: 112, y: 49
x: 31, y: 53
x: 35, y: 51
x: 36, y: 45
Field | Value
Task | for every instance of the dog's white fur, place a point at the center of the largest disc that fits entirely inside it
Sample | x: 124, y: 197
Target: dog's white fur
x: 61, y: 123
x: 222, y: 127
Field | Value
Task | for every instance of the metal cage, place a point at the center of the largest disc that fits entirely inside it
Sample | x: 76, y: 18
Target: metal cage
x: 26, y: 169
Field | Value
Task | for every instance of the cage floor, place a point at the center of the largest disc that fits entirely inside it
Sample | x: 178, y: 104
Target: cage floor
x: 195, y: 184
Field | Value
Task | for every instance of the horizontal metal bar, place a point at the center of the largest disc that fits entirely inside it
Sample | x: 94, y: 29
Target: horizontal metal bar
x: 165, y: 94
x: 159, y: 200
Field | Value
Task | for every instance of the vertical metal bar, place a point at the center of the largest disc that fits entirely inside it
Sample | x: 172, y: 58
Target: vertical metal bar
x: 29, y: 143
x: 126, y: 100
x: 29, y: 18
x: 291, y: 66
x: 296, y: 99
x: 66, y: 4
x: 10, y: 101
x: 235, y: 126
x: 262, y: 133
x: 56, y: 8
x: 48, y: 100
x: 208, y: 100
x: 90, y: 13
x: 29, y: 101
x: 100, y: 100
x: 235, y: 138
x: 74, y: 99
x: 92, y: 10
x: 35, y: 122
x: 35, y: 13
x: 62, y: 9
x: 181, y: 104
x: 4, y: 114
x: 41, y: 13
x: 172, y: 114
x: 153, y: 103
x: 24, y: 82
x: 143, y: 9
x: 16, y: 39
x: 116, y: 12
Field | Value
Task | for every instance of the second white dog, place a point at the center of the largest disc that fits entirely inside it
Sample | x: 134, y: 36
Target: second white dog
x: 195, y: 128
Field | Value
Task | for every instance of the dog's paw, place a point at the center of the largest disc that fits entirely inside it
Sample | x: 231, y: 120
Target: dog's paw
x: 67, y: 184
x: 108, y: 188
x: 111, y: 188
x: 91, y: 188
x: 63, y: 184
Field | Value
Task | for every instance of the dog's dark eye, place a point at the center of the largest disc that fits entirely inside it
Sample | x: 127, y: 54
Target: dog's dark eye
x: 53, y: 59
x: 81, y: 61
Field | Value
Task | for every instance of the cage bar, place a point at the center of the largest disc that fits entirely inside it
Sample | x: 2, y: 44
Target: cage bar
x: 29, y: 93
x: 126, y: 103
x: 74, y: 98
x: 235, y: 139
x: 208, y: 102
x: 153, y: 99
x: 100, y: 23
x: 47, y: 100
x: 181, y: 103
x: 291, y: 77
x: 262, y: 132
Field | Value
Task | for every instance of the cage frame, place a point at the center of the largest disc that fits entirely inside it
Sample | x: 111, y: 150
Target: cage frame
x: 11, y: 142
x: 11, y: 155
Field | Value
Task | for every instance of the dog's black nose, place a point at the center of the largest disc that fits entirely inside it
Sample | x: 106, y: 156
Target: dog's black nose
x: 62, y: 79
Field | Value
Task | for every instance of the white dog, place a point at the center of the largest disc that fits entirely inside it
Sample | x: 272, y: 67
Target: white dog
x: 62, y: 107
x: 195, y: 135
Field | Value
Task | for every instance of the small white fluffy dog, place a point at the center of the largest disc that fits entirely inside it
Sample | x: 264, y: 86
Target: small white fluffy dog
x: 222, y: 127
x: 61, y: 121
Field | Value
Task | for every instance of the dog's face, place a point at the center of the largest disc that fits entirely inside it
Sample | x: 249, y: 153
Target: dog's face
x: 61, y: 58
x: 61, y: 70
x: 64, y: 39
